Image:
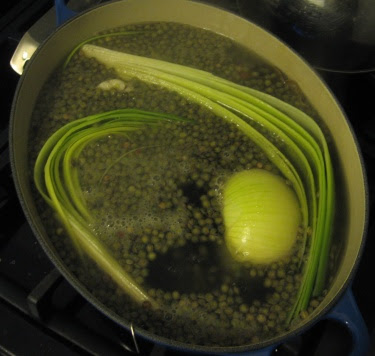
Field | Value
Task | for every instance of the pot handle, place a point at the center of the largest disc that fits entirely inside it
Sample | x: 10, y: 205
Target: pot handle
x: 37, y: 33
x: 347, y: 312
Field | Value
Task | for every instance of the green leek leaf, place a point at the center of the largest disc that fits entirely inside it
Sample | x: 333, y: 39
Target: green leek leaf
x: 58, y: 183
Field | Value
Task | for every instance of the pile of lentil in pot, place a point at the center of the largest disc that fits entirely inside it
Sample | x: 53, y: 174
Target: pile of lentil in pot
x: 156, y: 192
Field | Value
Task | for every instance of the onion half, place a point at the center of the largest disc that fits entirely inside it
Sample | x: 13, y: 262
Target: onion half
x: 261, y: 216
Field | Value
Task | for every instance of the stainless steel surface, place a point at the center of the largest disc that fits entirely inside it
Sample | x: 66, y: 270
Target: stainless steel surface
x: 136, y: 347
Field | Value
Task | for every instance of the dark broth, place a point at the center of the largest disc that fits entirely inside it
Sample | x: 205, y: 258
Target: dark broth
x: 158, y: 209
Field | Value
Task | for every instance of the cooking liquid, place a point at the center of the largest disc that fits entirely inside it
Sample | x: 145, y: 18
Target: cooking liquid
x: 156, y: 193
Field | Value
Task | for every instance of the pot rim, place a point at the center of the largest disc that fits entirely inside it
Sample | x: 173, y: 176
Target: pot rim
x: 81, y: 288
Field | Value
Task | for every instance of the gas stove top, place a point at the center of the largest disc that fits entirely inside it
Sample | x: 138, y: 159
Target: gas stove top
x: 40, y: 313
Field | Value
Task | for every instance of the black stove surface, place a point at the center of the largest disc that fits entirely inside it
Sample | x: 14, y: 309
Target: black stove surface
x: 41, y: 314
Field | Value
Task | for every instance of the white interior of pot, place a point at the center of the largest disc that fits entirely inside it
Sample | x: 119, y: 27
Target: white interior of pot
x: 124, y: 12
